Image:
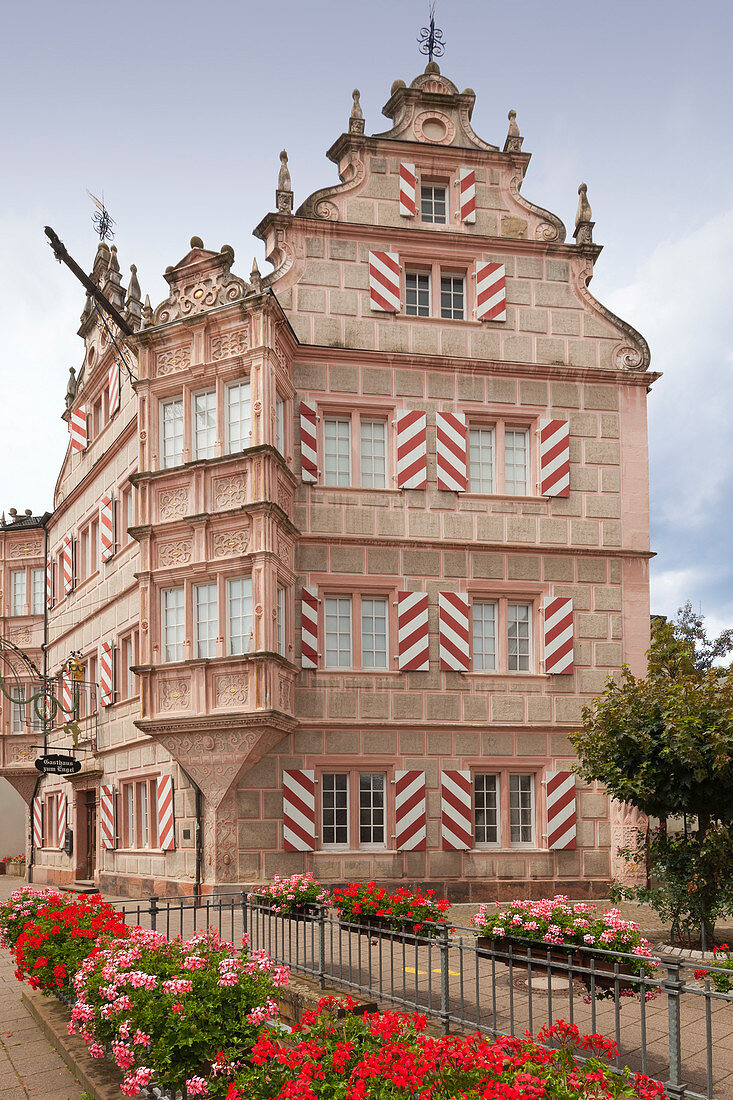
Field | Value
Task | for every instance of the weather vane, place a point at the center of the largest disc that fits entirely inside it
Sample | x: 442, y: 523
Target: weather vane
x: 101, y: 221
x: 431, y: 41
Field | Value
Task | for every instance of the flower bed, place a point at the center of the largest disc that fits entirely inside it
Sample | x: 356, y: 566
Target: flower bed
x: 294, y: 896
x: 402, y: 911
x: 571, y: 932
x: 179, y: 1012
x: 389, y: 1055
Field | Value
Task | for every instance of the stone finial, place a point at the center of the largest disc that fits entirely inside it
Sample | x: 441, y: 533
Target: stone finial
x: 514, y: 139
x: 71, y: 387
x: 88, y: 307
x: 3, y: 521
x: 28, y: 511
x: 13, y: 512
x: 356, y: 121
x: 114, y: 263
x: 112, y: 283
x: 147, y: 313
x: 196, y: 242
x: 583, y: 218
x: 255, y: 278
x: 284, y: 192
x: 133, y: 305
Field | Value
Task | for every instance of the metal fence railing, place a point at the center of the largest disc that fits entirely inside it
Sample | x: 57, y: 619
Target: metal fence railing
x: 670, y: 1025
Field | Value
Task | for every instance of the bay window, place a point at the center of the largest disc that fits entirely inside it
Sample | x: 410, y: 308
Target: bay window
x: 173, y: 615
x: 239, y: 416
x: 239, y: 615
x: 204, y: 424
x: 206, y: 616
x: 38, y: 583
x: 171, y: 432
x: 17, y: 592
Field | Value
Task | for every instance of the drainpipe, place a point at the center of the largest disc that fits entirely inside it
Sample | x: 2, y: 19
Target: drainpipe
x: 45, y: 635
x: 199, y: 839
x: 32, y: 860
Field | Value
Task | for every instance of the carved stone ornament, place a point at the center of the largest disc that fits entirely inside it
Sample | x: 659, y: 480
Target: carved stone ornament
x: 175, y: 553
x: 201, y: 281
x: 283, y: 550
x: 171, y: 360
x: 285, y: 497
x: 229, y: 492
x: 19, y: 752
x: 231, y: 691
x: 172, y: 503
x: 434, y: 127
x: 286, y: 696
x: 227, y: 544
x: 26, y: 549
x: 228, y: 344
x: 174, y: 695
x: 626, y: 824
x: 21, y: 636
x: 632, y: 352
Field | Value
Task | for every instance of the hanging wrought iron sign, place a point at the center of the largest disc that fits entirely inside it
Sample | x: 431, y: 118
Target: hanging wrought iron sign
x: 57, y: 764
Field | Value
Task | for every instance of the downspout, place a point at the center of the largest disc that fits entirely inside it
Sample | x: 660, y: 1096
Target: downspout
x: 32, y: 860
x: 199, y: 839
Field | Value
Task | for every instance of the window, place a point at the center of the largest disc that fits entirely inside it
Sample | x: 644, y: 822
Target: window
x: 516, y: 461
x: 280, y: 424
x: 521, y: 809
x: 499, y: 459
x: 94, y: 547
x: 453, y: 297
x: 98, y: 421
x: 36, y: 708
x: 171, y: 430
x: 371, y: 808
x: 337, y: 452
x: 335, y: 808
x: 17, y: 590
x: 519, y: 641
x: 206, y: 619
x: 204, y: 424
x: 281, y: 620
x: 373, y: 633
x: 129, y: 510
x: 373, y: 454
x: 173, y: 624
x: 417, y: 294
x: 484, y: 636
x: 139, y: 813
x: 486, y: 809
x: 50, y: 825
x: 433, y: 203
x: 239, y: 615
x: 127, y: 678
x: 502, y: 635
x: 338, y: 632
x: 239, y: 416
x: 17, y: 710
x: 481, y: 444
x: 368, y: 825
x: 38, y: 581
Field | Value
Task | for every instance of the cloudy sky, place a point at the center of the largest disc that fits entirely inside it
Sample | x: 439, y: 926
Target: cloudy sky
x: 177, y: 112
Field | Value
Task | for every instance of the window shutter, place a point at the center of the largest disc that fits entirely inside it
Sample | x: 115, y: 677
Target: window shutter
x: 554, y: 458
x: 561, y: 813
x: 107, y: 526
x: 309, y: 628
x: 67, y: 697
x: 107, y: 817
x: 106, y: 674
x: 49, y: 582
x: 490, y: 291
x: 299, y: 811
x: 408, y: 183
x: 308, y: 442
x: 78, y: 428
x: 67, y: 563
x: 467, y: 184
x: 413, y: 652
x: 166, y: 830
x: 384, y: 281
x: 453, y: 629
x: 113, y: 387
x: 410, y: 816
x: 37, y: 823
x: 412, y: 450
x: 61, y: 821
x: 452, y: 460
x: 558, y: 635
x: 455, y: 811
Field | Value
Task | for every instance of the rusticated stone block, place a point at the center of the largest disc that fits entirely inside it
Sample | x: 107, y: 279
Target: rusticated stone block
x: 343, y: 741
x: 507, y: 708
x: 444, y: 708
x: 407, y: 705
x: 374, y: 704
x: 523, y: 567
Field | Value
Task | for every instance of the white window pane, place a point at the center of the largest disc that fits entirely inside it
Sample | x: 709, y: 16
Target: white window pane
x: 372, y: 808
x: 239, y: 615
x: 374, y: 454
x: 172, y: 432
x: 516, y: 461
x: 281, y: 620
x: 37, y: 583
x: 433, y: 204
x: 337, y: 452
x: 128, y: 659
x: 280, y: 425
x: 335, y: 808
x: 131, y: 830
x: 520, y: 809
x: 173, y: 624
x: 519, y: 619
x: 204, y: 424
x: 484, y: 637
x: 206, y: 619
x: 486, y: 808
x: 452, y: 297
x: 417, y: 294
x: 17, y: 718
x: 144, y: 823
x: 481, y: 459
x: 373, y: 633
x: 239, y: 416
x: 338, y: 632
x: 17, y: 588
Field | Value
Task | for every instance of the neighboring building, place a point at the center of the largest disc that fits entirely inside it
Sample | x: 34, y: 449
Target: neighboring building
x: 345, y: 559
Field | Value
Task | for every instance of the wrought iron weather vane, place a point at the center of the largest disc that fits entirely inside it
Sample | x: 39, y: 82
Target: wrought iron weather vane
x: 101, y: 220
x: 431, y: 40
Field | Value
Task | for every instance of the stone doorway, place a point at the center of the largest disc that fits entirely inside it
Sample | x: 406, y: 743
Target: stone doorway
x: 88, y: 860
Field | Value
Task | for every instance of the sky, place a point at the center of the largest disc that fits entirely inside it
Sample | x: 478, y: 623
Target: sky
x: 177, y: 113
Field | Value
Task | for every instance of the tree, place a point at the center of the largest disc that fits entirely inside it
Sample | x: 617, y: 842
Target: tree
x: 665, y: 744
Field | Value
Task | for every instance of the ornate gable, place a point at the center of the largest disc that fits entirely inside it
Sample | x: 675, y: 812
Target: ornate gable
x: 200, y: 281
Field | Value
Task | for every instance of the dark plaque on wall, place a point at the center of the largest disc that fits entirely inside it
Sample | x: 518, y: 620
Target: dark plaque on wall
x: 56, y: 764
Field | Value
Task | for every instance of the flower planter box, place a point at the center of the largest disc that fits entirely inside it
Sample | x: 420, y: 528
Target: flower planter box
x: 376, y: 928
x: 604, y: 971
x: 305, y: 912
x: 14, y: 867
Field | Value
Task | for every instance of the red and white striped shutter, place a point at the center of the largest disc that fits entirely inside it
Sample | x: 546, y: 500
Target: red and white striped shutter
x: 384, y: 281
x: 558, y: 635
x: 452, y: 461
x: 408, y: 184
x: 490, y: 291
x: 561, y: 813
x: 67, y: 696
x: 107, y: 526
x: 49, y: 582
x: 554, y: 458
x: 37, y: 823
x: 412, y: 450
x: 410, y: 816
x: 308, y: 442
x: 467, y: 183
x: 61, y: 821
x: 106, y: 674
x: 78, y: 428
x: 413, y: 649
x: 67, y: 563
x: 107, y: 817
x: 166, y: 830
x: 453, y: 631
x: 113, y: 387
x: 455, y: 810
x: 309, y: 628
x: 299, y: 811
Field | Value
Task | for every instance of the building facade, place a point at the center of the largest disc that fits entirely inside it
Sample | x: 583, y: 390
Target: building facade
x: 344, y: 549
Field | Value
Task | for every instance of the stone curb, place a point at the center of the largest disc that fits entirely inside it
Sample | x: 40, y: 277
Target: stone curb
x: 685, y: 953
